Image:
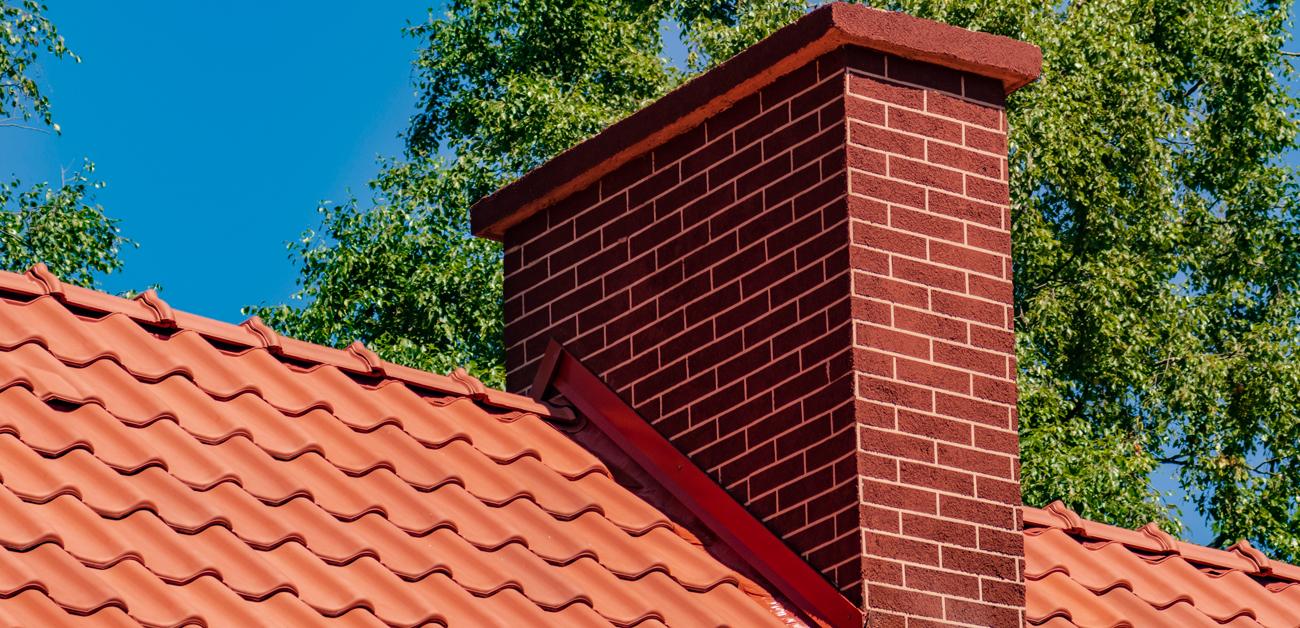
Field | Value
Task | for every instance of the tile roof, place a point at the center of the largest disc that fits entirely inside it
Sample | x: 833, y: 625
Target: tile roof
x: 1083, y: 573
x: 160, y: 468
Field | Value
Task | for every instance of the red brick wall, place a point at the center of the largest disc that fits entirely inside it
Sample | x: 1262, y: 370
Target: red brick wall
x: 938, y: 449
x: 809, y: 295
x: 708, y: 284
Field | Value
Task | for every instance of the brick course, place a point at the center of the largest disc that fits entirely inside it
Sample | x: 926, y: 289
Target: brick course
x: 809, y: 294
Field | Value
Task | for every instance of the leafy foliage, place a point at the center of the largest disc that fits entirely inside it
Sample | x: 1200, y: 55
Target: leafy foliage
x: 1155, y: 224
x: 417, y: 289
x: 24, y: 34
x: 61, y: 226
x: 503, y: 86
x: 1156, y: 257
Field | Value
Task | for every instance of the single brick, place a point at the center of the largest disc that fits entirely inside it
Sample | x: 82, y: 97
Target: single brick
x: 1002, y: 541
x: 927, y: 274
x: 950, y: 106
x: 964, y: 208
x: 895, y: 392
x: 882, y: 139
x: 932, y: 375
x: 981, y: 614
x: 922, y: 124
x: 863, y: 110
x: 886, y: 189
x: 899, y: 496
x: 978, y: 563
x: 971, y: 359
x: 944, y: 582
x: 976, y: 511
x: 936, y: 427
x: 941, y: 531
x: 906, y: 601
x: 888, y: 339
x: 886, y: 91
x: 921, y: 73
x: 988, y: 463
x: 938, y: 478
x: 988, y: 141
x: 988, y: 191
x: 882, y: 238
x: 967, y: 258
x: 902, y: 548
x: 926, y: 224
x: 977, y: 310
x: 969, y: 161
x: 923, y: 173
x: 877, y: 287
x: 972, y: 409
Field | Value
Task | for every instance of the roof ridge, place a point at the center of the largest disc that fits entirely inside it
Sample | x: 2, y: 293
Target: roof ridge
x: 149, y: 309
x: 1242, y: 556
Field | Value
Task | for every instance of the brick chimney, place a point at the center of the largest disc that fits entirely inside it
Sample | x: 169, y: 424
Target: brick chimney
x: 797, y: 268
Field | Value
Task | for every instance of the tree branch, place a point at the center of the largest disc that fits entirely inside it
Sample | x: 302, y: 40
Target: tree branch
x: 14, y: 123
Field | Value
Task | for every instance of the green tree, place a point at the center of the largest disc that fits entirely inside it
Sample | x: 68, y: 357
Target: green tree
x: 1155, y: 224
x: 25, y: 33
x: 503, y: 86
x: 59, y: 225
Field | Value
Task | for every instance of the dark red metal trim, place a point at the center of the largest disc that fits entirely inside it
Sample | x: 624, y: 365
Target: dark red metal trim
x: 718, y: 511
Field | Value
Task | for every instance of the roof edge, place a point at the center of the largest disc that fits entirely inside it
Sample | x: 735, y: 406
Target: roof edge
x: 724, y: 517
x: 1015, y: 63
x: 1150, y: 538
x: 150, y: 309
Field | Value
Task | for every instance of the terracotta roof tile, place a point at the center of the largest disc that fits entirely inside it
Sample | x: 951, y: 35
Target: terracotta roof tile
x: 1083, y: 573
x: 34, y: 608
x: 159, y: 468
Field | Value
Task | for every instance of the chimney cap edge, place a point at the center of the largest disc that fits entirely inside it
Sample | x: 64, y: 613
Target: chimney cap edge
x: 1013, y: 62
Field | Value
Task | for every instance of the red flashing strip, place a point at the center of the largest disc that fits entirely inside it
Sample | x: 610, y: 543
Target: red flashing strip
x: 717, y: 510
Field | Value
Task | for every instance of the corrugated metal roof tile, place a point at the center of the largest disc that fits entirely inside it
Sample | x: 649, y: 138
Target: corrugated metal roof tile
x: 1090, y: 574
x: 164, y: 469
x: 212, y: 474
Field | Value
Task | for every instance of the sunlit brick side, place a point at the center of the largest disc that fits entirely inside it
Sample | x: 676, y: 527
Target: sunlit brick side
x: 708, y: 283
x: 933, y: 357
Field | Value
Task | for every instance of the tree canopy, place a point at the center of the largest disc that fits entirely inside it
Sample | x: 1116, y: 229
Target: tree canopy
x: 1155, y: 224
x: 59, y: 225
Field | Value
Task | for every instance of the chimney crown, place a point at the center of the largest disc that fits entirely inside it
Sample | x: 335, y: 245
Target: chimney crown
x: 1012, y: 62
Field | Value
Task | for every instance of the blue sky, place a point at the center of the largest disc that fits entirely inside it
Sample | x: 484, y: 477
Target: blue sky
x: 219, y: 131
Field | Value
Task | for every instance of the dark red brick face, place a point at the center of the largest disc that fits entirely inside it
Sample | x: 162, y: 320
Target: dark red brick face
x: 810, y: 295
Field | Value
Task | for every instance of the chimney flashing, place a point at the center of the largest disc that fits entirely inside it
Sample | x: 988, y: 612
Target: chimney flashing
x: 1011, y: 62
x: 725, y: 519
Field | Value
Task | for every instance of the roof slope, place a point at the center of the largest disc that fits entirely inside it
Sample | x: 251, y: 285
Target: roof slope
x: 159, y: 468
x: 1083, y: 573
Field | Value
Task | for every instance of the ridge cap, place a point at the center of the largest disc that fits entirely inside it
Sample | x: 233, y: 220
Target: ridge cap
x: 1241, y: 556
